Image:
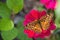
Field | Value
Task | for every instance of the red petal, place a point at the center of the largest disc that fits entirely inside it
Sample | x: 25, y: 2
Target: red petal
x: 29, y: 17
x: 41, y: 35
x: 44, y: 1
x: 25, y: 22
x: 36, y: 35
x: 52, y: 26
x: 47, y: 33
x: 34, y: 13
x: 42, y: 13
x: 30, y: 33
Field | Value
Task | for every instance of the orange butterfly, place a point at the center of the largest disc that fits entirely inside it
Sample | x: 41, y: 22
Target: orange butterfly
x: 42, y: 23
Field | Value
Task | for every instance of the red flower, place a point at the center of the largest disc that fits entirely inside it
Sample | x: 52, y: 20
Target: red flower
x: 35, y: 15
x: 49, y: 4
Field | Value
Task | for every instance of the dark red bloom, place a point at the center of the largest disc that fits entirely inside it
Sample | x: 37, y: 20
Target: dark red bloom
x: 35, y: 15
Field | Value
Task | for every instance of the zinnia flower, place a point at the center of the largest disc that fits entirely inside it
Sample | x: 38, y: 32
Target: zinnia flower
x: 41, y: 33
x: 49, y: 4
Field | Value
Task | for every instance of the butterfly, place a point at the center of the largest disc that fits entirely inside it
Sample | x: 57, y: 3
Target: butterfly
x: 42, y: 23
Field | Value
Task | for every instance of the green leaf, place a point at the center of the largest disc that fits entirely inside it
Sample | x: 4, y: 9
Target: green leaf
x: 57, y: 10
x: 52, y: 37
x: 9, y: 35
x: 6, y: 24
x: 9, y: 39
x: 57, y: 34
x: 40, y: 8
x: 38, y: 39
x: 5, y: 12
x: 57, y: 13
x: 21, y: 34
x: 56, y: 31
x: 57, y: 22
x: 15, y: 5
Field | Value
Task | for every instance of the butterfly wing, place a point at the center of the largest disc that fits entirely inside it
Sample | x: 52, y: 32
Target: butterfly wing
x: 35, y: 26
x: 45, y: 21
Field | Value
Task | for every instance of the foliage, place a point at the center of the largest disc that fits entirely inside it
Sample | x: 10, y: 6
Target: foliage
x: 8, y: 31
